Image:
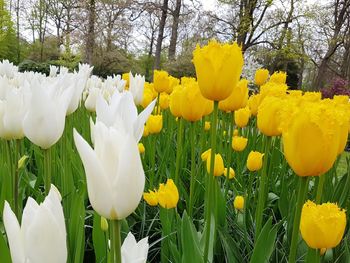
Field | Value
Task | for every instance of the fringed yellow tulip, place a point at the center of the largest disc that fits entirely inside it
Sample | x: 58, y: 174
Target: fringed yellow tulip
x: 238, y: 98
x: 151, y: 198
x: 161, y: 81
x: 322, y: 226
x: 242, y: 117
x: 168, y: 195
x: 268, y: 118
x: 253, y: 103
x: 279, y: 77
x: 218, y: 68
x: 261, y: 76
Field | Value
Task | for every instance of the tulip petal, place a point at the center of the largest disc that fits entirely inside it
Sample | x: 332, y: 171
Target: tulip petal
x: 43, y: 243
x: 130, y: 184
x: 14, y: 235
x: 100, y: 193
x: 141, y: 119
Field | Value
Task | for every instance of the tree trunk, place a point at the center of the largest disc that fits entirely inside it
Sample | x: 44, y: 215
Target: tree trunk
x: 18, y: 40
x: 160, y: 34
x: 174, y: 28
x: 90, y: 39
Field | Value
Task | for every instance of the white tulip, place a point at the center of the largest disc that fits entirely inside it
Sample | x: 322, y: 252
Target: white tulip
x: 122, y: 107
x: 78, y: 82
x: 90, y: 102
x: 114, y: 173
x: 12, y: 112
x: 134, y: 252
x: 7, y: 69
x: 136, y: 87
x: 41, y: 237
x: 53, y: 71
x: 44, y: 122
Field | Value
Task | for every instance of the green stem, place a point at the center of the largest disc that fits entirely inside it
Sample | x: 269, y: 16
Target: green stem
x: 228, y: 150
x: 16, y: 180
x: 303, y: 183
x: 321, y: 181
x: 47, y: 170
x: 153, y: 160
x: 117, y: 238
x: 178, y: 149
x: 262, y: 190
x: 193, y: 167
x: 210, y: 180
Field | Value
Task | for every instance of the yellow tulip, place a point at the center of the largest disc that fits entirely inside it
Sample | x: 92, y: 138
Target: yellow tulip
x: 168, y: 195
x: 253, y: 103
x: 254, y: 161
x: 205, y: 155
x: 268, y: 118
x: 242, y: 117
x: 322, y: 226
x: 295, y: 93
x: 173, y: 82
x: 312, y: 96
x: 126, y: 77
x: 161, y: 81
x: 218, y: 164
x: 164, y: 101
x: 235, y: 132
x: 311, y: 130
x: 238, y: 98
x: 151, y: 198
x: 239, y: 143
x: 231, y: 173
x: 141, y: 148
x: 154, y: 124
x: 208, y: 107
x: 341, y: 99
x: 218, y: 68
x: 145, y: 131
x: 261, y: 76
x: 192, y: 102
x: 147, y: 97
x: 207, y: 126
x: 279, y: 77
x: 273, y: 89
x: 238, y: 203
x: 175, y: 101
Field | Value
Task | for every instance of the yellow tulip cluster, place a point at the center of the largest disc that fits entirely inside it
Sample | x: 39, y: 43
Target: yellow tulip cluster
x: 167, y: 195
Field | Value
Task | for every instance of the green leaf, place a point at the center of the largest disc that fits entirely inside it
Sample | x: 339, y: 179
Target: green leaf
x: 4, y: 251
x: 265, y: 243
x: 190, y: 242
x: 99, y: 240
x: 231, y: 248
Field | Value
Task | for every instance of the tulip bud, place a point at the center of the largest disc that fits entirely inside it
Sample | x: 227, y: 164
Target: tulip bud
x: 141, y: 148
x: 254, y: 161
x: 207, y: 126
x: 104, y: 224
x: 235, y: 132
x: 22, y: 161
x: 132, y: 251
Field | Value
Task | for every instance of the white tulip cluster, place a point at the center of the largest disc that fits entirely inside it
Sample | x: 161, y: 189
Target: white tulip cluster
x: 35, y: 106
